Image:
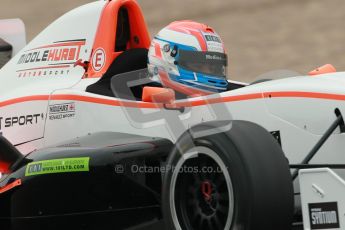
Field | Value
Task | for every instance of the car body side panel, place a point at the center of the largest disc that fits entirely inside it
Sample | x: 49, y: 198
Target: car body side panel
x: 47, y: 62
x: 298, y: 136
x: 43, y: 66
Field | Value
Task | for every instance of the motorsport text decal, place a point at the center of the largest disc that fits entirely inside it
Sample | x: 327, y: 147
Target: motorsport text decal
x: 22, y: 120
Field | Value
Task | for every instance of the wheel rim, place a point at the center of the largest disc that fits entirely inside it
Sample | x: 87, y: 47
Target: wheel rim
x: 202, y: 194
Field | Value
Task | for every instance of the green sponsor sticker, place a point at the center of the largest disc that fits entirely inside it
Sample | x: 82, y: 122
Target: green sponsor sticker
x: 67, y: 165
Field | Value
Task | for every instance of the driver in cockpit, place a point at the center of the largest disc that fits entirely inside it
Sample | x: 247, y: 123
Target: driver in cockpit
x: 189, y: 57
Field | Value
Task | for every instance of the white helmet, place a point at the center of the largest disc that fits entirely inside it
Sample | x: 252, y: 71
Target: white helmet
x: 189, y: 57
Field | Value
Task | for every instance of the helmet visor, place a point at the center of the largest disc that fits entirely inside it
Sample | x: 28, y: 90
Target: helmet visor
x: 210, y: 63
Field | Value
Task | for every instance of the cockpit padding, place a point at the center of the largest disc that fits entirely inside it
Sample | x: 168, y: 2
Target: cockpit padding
x: 129, y: 60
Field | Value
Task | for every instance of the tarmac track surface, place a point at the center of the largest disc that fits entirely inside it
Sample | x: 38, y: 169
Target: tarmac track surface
x: 260, y: 35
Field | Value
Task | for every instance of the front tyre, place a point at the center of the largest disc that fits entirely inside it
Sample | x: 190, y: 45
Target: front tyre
x: 203, y: 197
x: 232, y: 176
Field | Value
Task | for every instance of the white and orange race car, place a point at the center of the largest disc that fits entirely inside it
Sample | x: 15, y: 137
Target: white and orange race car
x: 88, y: 142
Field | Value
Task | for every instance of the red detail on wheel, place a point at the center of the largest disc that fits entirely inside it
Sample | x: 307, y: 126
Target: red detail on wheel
x: 206, y: 190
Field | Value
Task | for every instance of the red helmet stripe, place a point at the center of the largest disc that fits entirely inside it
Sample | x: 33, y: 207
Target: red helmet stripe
x: 158, y: 50
x: 201, y: 40
x: 178, y: 29
x: 195, y: 32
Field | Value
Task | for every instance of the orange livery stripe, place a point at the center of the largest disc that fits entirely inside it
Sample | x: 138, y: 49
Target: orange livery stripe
x: 191, y: 103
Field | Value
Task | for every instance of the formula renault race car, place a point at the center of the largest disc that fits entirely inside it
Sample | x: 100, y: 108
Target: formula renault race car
x: 89, y: 142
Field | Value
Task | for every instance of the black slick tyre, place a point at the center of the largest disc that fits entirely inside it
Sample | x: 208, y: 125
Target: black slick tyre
x: 227, y: 175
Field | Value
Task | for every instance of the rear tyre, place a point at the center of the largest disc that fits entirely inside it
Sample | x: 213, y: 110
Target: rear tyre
x: 234, y: 177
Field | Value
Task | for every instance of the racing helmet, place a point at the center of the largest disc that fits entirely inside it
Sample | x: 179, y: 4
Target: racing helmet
x: 189, y: 57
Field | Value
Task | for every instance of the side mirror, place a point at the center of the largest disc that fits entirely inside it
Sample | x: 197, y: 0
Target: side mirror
x: 158, y: 95
x: 5, y: 52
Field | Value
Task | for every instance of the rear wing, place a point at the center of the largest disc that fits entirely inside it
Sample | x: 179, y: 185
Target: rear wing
x: 12, y: 39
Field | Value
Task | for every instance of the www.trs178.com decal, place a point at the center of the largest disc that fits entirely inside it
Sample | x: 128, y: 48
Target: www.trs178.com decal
x: 67, y: 165
x: 61, y: 111
x: 22, y: 120
x: 50, y: 60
